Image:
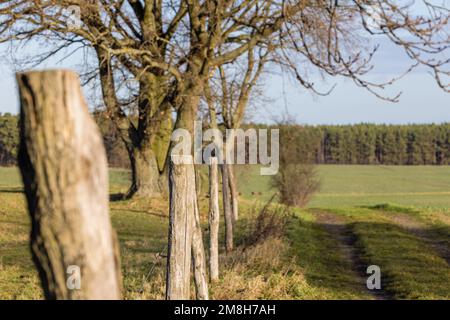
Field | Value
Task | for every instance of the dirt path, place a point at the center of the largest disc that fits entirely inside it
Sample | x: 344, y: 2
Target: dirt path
x: 422, y: 231
x: 339, y: 230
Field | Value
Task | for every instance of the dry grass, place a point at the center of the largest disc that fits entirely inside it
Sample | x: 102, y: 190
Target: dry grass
x: 262, y: 267
x: 259, y: 268
x: 260, y: 272
x: 265, y: 222
x: 265, y: 265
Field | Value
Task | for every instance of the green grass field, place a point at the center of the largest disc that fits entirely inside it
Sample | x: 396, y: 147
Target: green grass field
x: 395, y: 217
x: 353, y: 185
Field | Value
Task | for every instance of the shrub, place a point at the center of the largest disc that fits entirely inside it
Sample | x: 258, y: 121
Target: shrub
x: 296, y: 184
x: 297, y: 178
x: 265, y: 222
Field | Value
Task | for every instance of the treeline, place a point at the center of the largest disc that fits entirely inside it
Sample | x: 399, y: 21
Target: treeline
x: 415, y: 144
x: 9, y: 140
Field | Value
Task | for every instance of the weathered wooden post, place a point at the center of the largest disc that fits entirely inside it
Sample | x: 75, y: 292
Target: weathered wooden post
x: 233, y: 192
x: 65, y: 174
x: 228, y: 215
x: 182, y: 212
x: 199, y: 259
x: 214, y: 215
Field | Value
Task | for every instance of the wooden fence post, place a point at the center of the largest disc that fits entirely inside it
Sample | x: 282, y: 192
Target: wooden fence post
x: 214, y: 215
x: 199, y: 258
x: 65, y: 174
x: 181, y: 225
x: 233, y: 192
x: 227, y: 210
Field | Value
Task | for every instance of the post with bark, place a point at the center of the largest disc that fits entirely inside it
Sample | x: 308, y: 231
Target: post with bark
x: 199, y: 258
x: 214, y: 215
x: 182, y: 222
x: 65, y: 174
x: 233, y: 192
x: 228, y: 215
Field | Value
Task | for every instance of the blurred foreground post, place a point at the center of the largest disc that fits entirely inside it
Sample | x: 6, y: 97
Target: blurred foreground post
x: 65, y: 174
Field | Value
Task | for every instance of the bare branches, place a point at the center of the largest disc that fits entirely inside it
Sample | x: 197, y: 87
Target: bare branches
x: 186, y: 39
x: 424, y: 37
x: 231, y: 86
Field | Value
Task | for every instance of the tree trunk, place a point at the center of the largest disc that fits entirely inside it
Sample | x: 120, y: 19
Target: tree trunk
x: 148, y: 142
x: 183, y: 202
x: 234, y: 195
x: 214, y: 215
x: 145, y: 176
x: 198, y: 182
x: 228, y: 215
x: 65, y: 174
x: 181, y: 225
x: 199, y: 260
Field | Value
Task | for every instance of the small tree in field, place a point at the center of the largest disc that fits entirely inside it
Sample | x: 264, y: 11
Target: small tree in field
x: 297, y: 178
x: 297, y: 183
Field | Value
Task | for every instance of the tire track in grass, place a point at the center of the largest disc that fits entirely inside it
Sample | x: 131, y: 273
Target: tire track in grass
x: 338, y: 228
x: 421, y: 230
x: 411, y: 268
x: 324, y: 267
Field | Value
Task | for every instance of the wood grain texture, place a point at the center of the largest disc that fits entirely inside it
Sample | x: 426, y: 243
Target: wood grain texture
x: 214, y: 217
x: 199, y: 258
x: 65, y: 174
x: 228, y: 214
x: 233, y: 192
x: 181, y: 225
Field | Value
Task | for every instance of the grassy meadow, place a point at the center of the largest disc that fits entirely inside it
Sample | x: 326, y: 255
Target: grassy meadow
x: 357, y: 185
x: 396, y: 217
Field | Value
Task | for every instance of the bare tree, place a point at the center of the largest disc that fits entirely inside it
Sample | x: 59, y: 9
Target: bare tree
x: 64, y: 169
x: 168, y: 51
x: 162, y: 51
x: 225, y: 103
x: 227, y: 96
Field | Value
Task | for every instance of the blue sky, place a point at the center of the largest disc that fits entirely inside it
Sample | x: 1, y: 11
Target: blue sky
x: 421, y: 102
